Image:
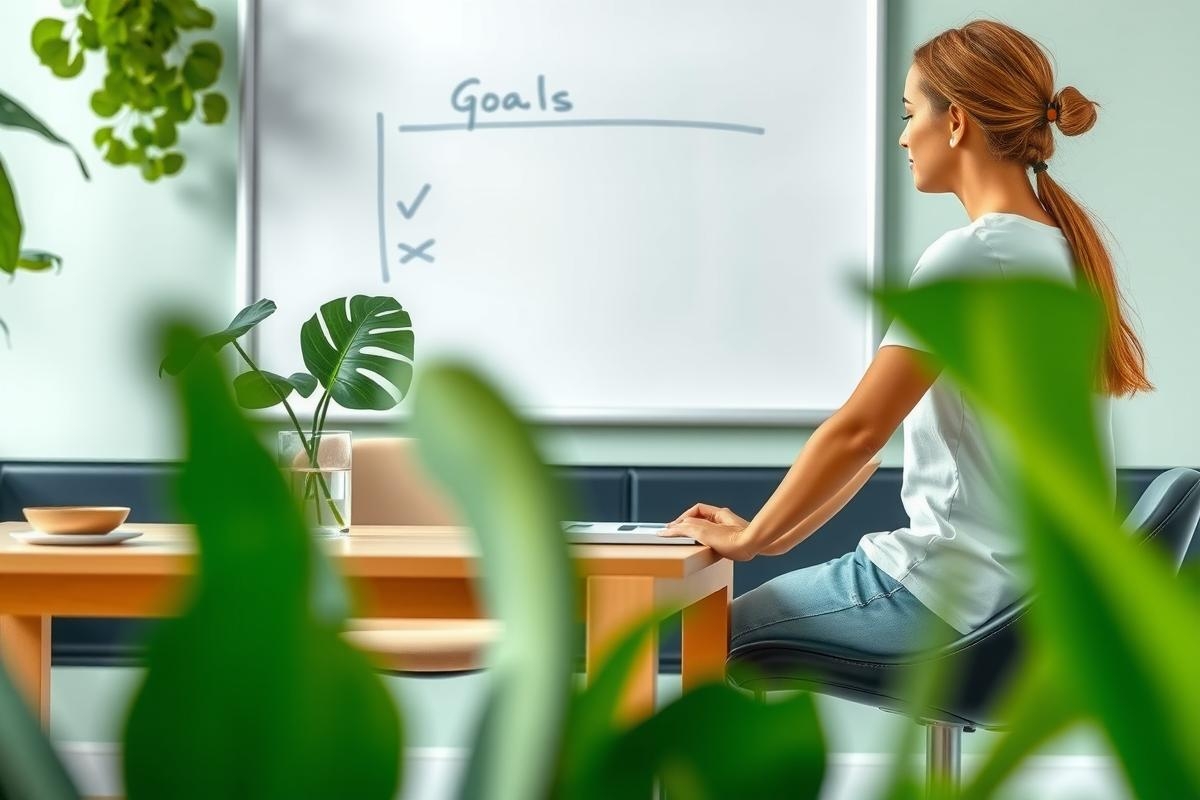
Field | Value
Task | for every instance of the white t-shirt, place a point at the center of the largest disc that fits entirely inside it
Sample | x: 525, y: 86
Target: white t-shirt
x: 960, y: 556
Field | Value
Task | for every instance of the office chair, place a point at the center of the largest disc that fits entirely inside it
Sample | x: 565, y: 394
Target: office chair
x: 981, y: 661
x: 388, y: 487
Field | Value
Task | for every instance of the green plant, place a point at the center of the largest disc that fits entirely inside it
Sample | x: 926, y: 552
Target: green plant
x: 368, y: 336
x: 251, y: 692
x: 1110, y: 641
x: 1112, y: 622
x: 12, y: 229
x: 152, y: 85
x: 535, y: 739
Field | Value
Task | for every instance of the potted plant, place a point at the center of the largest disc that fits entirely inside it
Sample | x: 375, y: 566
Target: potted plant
x: 366, y: 336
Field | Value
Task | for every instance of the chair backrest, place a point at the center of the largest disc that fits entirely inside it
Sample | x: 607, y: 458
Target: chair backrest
x: 390, y: 487
x: 1166, y: 516
x: 1168, y: 512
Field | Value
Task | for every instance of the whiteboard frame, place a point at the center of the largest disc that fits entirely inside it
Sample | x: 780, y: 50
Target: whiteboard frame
x: 246, y: 278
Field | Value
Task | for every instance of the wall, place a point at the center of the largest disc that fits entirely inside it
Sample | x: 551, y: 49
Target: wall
x: 80, y: 374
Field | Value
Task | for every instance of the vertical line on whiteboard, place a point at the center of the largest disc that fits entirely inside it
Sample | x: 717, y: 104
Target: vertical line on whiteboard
x: 383, y: 264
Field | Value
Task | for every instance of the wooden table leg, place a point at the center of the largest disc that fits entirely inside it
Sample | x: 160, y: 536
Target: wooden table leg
x: 25, y: 647
x: 614, y: 604
x: 706, y: 638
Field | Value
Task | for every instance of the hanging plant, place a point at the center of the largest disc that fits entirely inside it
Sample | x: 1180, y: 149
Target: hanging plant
x: 154, y: 83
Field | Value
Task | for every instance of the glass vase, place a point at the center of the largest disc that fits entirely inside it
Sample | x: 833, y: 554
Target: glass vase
x: 319, y: 478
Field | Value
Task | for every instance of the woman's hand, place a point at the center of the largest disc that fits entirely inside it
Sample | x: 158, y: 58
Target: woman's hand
x: 719, y: 528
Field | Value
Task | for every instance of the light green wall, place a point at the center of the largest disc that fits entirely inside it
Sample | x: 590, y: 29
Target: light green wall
x: 1134, y: 170
x: 79, y: 381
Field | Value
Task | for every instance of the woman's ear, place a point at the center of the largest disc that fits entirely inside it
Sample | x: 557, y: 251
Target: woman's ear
x: 958, y: 124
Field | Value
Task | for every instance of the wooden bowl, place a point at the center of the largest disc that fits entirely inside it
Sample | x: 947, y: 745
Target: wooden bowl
x: 76, y: 519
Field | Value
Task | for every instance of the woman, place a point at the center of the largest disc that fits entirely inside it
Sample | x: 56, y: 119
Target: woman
x: 981, y: 109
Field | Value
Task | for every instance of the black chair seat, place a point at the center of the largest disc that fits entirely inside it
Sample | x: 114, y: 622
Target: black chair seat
x: 979, y: 663
x: 988, y: 655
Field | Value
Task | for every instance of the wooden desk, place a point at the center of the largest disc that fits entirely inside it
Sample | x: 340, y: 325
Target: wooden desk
x: 398, y: 571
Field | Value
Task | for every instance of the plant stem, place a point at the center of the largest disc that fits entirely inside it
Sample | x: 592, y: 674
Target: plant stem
x: 309, y: 449
x: 318, y: 428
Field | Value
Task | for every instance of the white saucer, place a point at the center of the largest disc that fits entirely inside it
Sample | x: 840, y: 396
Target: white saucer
x: 112, y: 537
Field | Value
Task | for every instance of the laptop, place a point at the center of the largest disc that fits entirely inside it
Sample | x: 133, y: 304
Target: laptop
x: 620, y: 533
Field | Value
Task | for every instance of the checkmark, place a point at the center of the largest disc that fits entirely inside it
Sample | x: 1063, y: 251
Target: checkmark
x: 408, y: 211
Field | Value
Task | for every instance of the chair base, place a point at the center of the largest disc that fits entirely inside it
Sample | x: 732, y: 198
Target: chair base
x: 943, y: 761
x: 943, y: 756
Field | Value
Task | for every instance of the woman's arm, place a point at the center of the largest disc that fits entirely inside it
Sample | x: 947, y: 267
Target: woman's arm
x: 826, y: 512
x: 897, y: 378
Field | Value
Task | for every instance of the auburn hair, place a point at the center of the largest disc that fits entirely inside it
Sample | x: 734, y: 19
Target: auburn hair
x: 1004, y: 81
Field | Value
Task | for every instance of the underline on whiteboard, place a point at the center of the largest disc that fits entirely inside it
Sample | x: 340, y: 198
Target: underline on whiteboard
x: 589, y: 123
x: 379, y: 196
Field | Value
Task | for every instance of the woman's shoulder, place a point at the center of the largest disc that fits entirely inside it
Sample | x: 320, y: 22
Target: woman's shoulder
x: 961, y: 252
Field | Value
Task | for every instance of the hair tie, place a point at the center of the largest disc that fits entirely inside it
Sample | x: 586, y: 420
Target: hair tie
x: 1052, y: 111
x: 1040, y: 166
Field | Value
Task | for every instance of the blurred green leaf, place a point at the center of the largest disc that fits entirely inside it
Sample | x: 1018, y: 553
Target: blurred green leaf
x: 137, y: 39
x: 89, y: 35
x: 152, y: 168
x: 216, y: 107
x: 165, y: 133
x: 481, y: 454
x: 104, y: 104
x: 716, y: 742
x: 172, y: 163
x: 29, y: 767
x: 14, y: 115
x: 102, y: 135
x: 101, y: 9
x: 762, y: 750
x: 116, y: 86
x: 112, y: 31
x: 54, y: 51
x: 117, y: 153
x: 71, y: 68
x: 592, y: 724
x: 1027, y: 352
x: 189, y: 15
x: 264, y: 389
x: 38, y: 261
x: 143, y: 136
x: 202, y: 65
x: 180, y: 104
x: 10, y: 224
x: 366, y: 335
x: 44, y: 31
x: 275, y: 703
x: 178, y: 359
x: 1038, y: 706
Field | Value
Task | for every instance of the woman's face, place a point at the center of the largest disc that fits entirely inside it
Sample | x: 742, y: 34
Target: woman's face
x: 926, y: 137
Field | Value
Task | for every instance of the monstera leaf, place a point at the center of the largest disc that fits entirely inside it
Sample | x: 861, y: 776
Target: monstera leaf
x: 181, y: 353
x: 360, y: 349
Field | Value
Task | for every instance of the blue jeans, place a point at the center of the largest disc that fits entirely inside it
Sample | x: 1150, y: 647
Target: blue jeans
x: 846, y: 605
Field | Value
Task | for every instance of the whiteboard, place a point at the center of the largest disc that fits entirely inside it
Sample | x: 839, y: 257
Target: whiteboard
x: 619, y: 212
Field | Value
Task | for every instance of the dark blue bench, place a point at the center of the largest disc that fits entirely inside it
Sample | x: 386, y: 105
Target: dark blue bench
x: 601, y: 493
